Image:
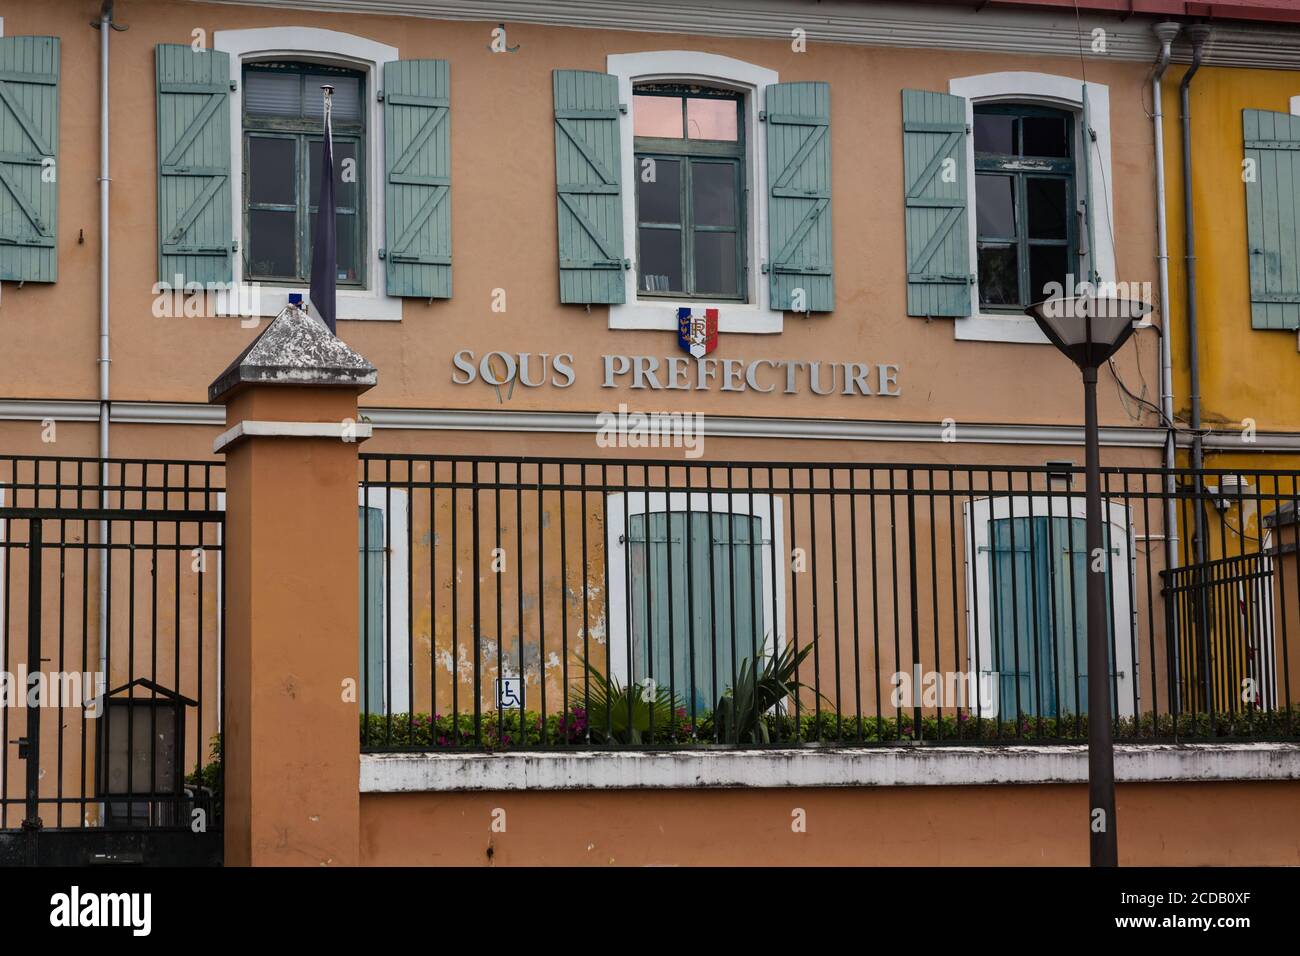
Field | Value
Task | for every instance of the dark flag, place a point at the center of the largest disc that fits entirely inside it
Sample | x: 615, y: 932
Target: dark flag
x: 324, y: 250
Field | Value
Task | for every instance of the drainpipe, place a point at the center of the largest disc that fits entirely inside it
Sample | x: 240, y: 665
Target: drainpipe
x: 1199, y: 33
x: 103, y: 24
x: 1165, y: 32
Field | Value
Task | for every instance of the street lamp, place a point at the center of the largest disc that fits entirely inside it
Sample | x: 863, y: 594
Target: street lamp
x: 1089, y: 330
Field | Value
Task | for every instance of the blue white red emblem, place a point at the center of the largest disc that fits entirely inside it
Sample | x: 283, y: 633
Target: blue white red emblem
x: 697, y: 333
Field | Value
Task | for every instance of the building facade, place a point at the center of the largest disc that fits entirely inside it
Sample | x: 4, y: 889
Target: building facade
x: 709, y: 303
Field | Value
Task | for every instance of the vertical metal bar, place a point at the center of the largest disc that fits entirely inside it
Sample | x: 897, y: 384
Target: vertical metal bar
x: 364, y: 516
x: 792, y: 547
x: 541, y: 594
x: 915, y: 611
x: 433, y: 602
x: 498, y: 578
x: 478, y: 615
x: 32, y: 819
x: 816, y: 616
x: 853, y: 572
x: 410, y: 602
x: 455, y: 601
x: 63, y: 668
x: 388, y: 602
x: 835, y: 606
x: 878, y: 732
x: 776, y: 621
x: 893, y: 580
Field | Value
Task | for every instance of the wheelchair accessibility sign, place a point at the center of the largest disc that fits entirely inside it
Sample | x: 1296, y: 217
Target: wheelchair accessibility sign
x: 510, y: 693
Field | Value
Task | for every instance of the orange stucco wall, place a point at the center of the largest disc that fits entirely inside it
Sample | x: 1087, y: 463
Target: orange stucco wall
x: 504, y: 234
x: 1184, y: 824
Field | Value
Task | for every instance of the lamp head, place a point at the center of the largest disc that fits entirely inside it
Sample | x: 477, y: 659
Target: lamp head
x: 1088, y: 328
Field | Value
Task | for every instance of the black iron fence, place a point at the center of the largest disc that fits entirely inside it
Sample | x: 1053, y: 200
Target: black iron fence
x: 110, y: 638
x: 549, y: 603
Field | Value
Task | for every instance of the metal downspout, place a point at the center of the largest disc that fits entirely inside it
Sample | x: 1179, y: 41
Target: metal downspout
x: 103, y: 25
x: 1199, y: 33
x: 1166, y: 32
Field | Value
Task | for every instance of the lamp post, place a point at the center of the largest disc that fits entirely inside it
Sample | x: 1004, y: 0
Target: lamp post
x: 1089, y: 330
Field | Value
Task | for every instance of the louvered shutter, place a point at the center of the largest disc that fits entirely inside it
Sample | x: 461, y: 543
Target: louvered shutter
x: 1272, y: 142
x: 798, y: 117
x: 29, y: 145
x: 194, y: 205
x: 935, y: 204
x: 588, y: 173
x: 417, y: 185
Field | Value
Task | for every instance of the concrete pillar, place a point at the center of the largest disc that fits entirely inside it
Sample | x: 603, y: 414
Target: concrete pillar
x: 291, y: 742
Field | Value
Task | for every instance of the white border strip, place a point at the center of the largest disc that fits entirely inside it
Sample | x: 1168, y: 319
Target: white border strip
x: 355, y: 431
x: 841, y: 767
x: 720, y: 426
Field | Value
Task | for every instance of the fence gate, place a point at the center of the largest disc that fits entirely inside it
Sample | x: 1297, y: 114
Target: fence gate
x: 110, y: 661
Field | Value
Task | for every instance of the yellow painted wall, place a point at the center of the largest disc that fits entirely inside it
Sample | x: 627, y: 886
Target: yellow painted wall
x: 1245, y: 373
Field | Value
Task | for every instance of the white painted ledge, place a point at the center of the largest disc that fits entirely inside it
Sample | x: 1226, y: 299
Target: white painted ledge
x: 839, y: 767
x: 345, y: 431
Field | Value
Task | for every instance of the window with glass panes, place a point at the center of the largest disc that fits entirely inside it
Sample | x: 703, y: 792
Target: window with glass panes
x: 284, y: 126
x: 1024, y: 203
x: 690, y: 169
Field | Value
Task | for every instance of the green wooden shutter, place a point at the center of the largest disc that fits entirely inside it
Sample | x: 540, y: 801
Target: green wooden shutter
x: 194, y: 205
x: 1272, y: 141
x: 417, y: 185
x: 588, y: 173
x: 29, y: 146
x: 935, y: 204
x: 798, y: 117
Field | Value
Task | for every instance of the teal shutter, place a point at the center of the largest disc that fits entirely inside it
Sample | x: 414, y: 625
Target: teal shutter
x: 1040, y: 615
x: 1272, y: 141
x: 798, y: 117
x: 935, y: 204
x: 370, y: 540
x: 588, y: 173
x: 194, y: 205
x: 417, y: 184
x: 29, y: 146
x: 682, y: 633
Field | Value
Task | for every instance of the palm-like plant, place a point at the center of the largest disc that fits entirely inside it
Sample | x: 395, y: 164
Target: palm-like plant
x: 626, y: 715
x: 738, y: 715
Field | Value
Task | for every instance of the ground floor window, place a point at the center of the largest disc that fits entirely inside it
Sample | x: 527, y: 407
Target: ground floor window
x: 1027, y: 605
x: 695, y: 586
x: 383, y: 535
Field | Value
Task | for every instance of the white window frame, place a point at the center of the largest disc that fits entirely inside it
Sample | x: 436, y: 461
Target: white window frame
x: 329, y: 48
x: 688, y: 66
x: 1065, y: 92
x: 978, y: 516
x: 395, y: 658
x: 767, y: 508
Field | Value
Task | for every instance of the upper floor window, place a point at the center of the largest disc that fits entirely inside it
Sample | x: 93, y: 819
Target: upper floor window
x: 690, y: 191
x: 1024, y: 203
x: 283, y: 143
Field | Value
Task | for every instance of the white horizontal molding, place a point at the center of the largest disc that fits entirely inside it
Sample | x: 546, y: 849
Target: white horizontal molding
x: 344, y: 431
x: 721, y: 426
x: 898, y: 24
x: 817, y: 767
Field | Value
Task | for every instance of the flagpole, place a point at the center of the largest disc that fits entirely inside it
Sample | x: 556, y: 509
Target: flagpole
x: 324, y: 256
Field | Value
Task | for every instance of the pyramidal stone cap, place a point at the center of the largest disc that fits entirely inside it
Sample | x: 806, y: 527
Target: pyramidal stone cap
x: 295, y: 349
